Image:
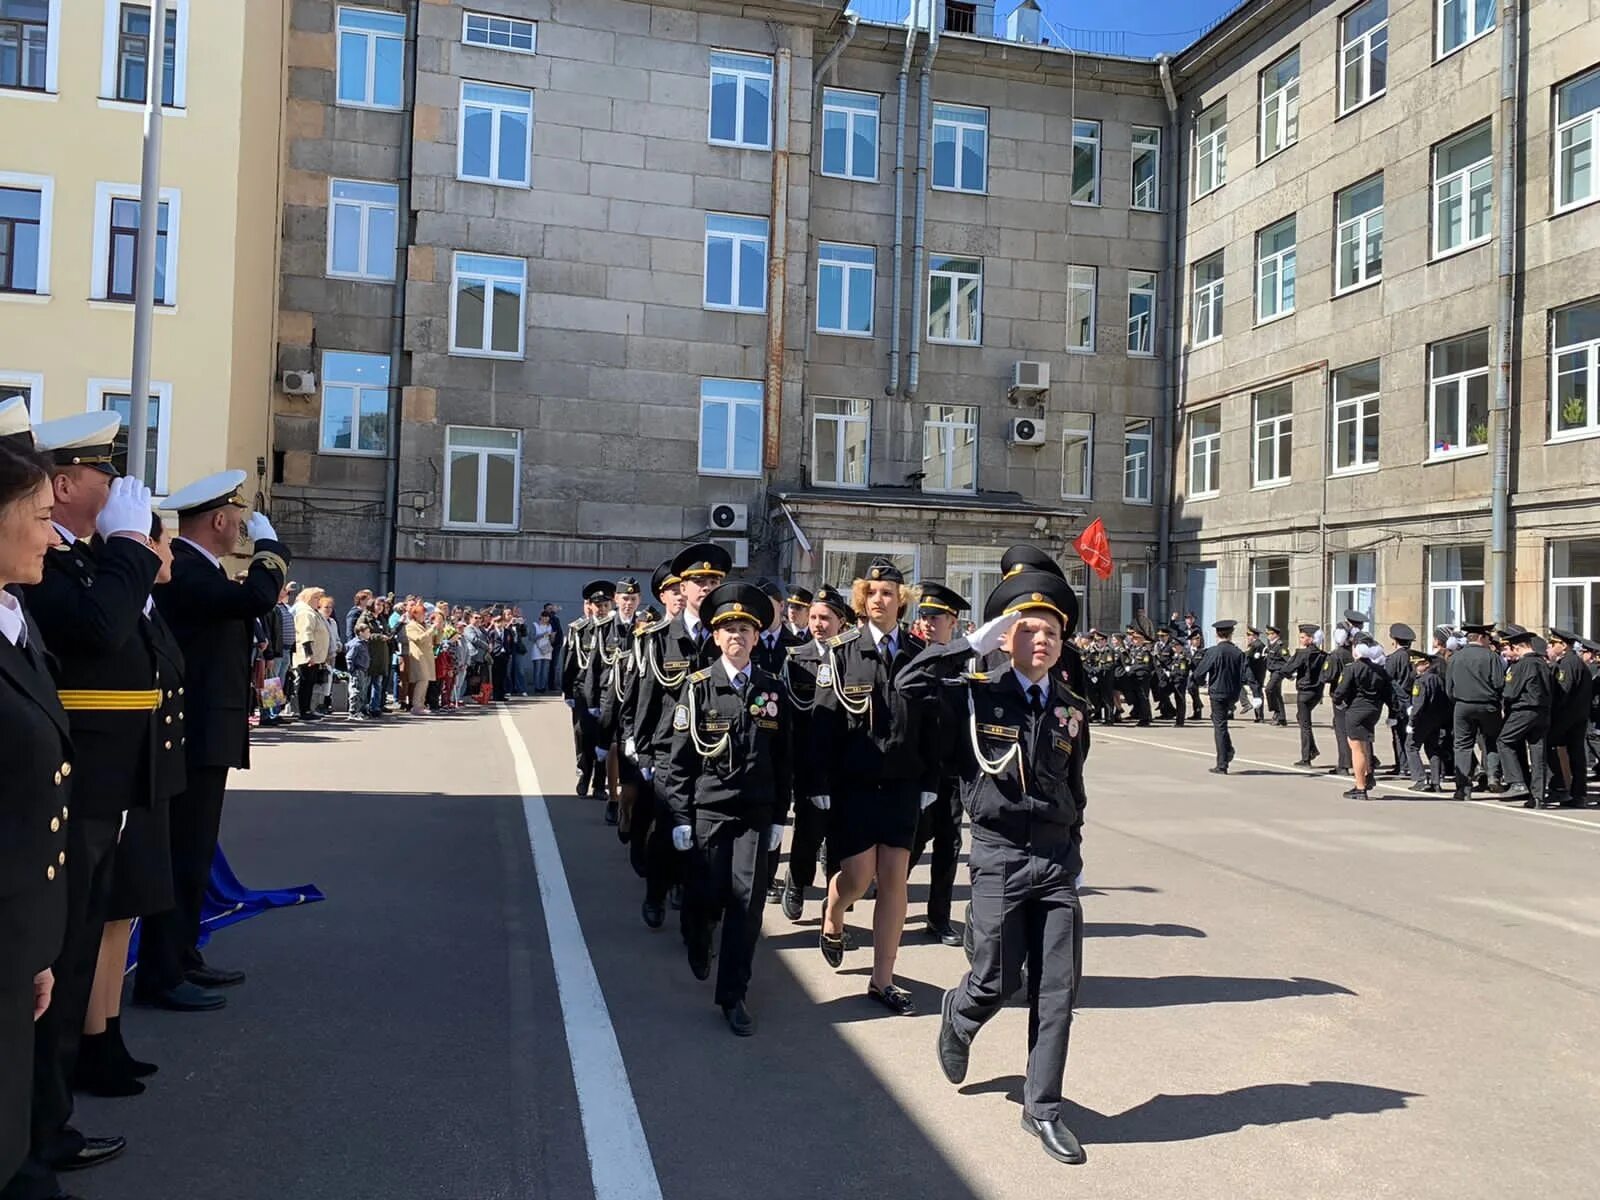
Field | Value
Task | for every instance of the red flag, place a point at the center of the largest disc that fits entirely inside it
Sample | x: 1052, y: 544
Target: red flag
x: 1094, y: 547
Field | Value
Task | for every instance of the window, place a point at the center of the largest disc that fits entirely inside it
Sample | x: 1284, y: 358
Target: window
x: 950, y: 448
x: 730, y: 427
x: 1205, y: 453
x: 25, y: 203
x: 955, y: 300
x: 1575, y: 360
x: 1577, y: 132
x: 845, y: 562
x: 1269, y: 592
x: 1575, y: 586
x: 1141, y: 313
x: 129, y: 80
x: 736, y: 262
x: 741, y: 100
x: 960, y: 16
x: 960, y: 148
x: 27, y: 51
x: 116, y: 244
x: 1355, y: 585
x: 1080, y: 308
x: 362, y: 223
x: 840, y: 437
x: 1458, y: 387
x: 1208, y: 299
x: 850, y: 134
x: 1280, y: 104
x: 1211, y: 149
x: 1086, y: 162
x: 499, y: 33
x: 1146, y: 168
x: 355, y: 403
x: 1364, y: 54
x: 482, y: 469
x: 112, y: 395
x: 487, y: 295
x: 496, y: 134
x: 24, y: 385
x: 1136, y: 439
x: 1360, y: 235
x: 1463, y: 191
x: 372, y: 51
x: 1463, y: 21
x: 1455, y: 586
x: 1077, y: 456
x: 973, y: 571
x: 1275, y: 271
x: 1135, y: 591
x: 1274, y: 435
x: 844, y: 288
x: 1355, y: 417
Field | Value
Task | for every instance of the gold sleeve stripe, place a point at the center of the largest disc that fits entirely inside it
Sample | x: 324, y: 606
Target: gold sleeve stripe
x: 86, y: 700
x: 272, y: 560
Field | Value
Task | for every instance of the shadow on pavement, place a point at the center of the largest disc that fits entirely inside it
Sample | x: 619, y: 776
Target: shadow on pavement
x: 1131, y: 929
x: 1161, y: 991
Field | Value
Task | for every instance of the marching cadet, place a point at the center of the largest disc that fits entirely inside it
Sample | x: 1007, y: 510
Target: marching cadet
x: 1306, y: 668
x: 726, y: 780
x: 581, y: 684
x: 1139, y: 667
x: 1020, y: 760
x: 568, y: 674
x: 770, y: 654
x: 1529, y: 683
x: 615, y: 652
x: 1334, y: 665
x: 1197, y: 651
x: 939, y: 612
x: 1429, y: 731
x: 1276, y: 654
x: 1222, y: 670
x: 616, y: 704
x: 1256, y: 655
x: 797, y: 605
x: 1591, y: 660
x: 1401, y: 674
x: 1180, y: 669
x: 1475, y: 683
x: 641, y: 711
x: 1571, y: 701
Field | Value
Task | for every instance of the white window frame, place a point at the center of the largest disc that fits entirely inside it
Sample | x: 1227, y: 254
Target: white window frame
x: 852, y: 113
x: 99, y: 389
x: 845, y: 269
x: 358, y: 392
x: 1135, y: 582
x: 955, y: 278
x: 1137, y: 446
x: 832, y: 549
x: 948, y: 431
x: 1363, y: 44
x: 1080, y: 280
x: 1205, y: 455
x: 1459, y: 381
x: 1077, y: 429
x: 499, y: 22
x: 1356, y: 410
x: 111, y: 43
x: 45, y: 185
x: 104, y: 194
x: 1590, y: 585
x: 1472, y: 11
x: 1358, y: 594
x: 1274, y: 431
x: 491, y: 282
x: 1086, y: 135
x: 484, y: 453
x: 1589, y: 137
x: 1207, y: 301
x: 1146, y: 142
x: 1359, y: 229
x: 364, y: 211
x: 1279, y: 109
x: 1456, y: 588
x: 961, y: 125
x: 1463, y: 179
x: 497, y: 110
x: 1281, y: 264
x: 34, y: 382
x: 1589, y: 369
x: 1272, y: 593
x: 52, y: 62
x: 373, y: 37
x: 742, y: 75
x: 738, y: 239
x: 839, y: 425
x: 973, y: 571
x: 1211, y: 147
x: 1146, y: 324
x: 733, y: 403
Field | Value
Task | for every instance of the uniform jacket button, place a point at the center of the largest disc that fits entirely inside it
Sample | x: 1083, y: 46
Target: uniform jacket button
x: 55, y: 824
x: 58, y: 778
x: 180, y: 691
x: 169, y: 719
x: 66, y: 769
x: 62, y: 858
x: 50, y: 873
x: 169, y: 745
x: 63, y: 812
x: 169, y: 694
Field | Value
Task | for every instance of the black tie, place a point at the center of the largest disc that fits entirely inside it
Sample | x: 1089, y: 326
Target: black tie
x: 739, y: 682
x: 1035, y: 699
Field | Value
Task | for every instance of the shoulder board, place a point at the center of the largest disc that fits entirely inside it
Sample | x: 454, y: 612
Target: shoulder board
x: 840, y: 639
x: 658, y: 627
x: 580, y: 623
x: 700, y: 676
x: 607, y: 619
x: 976, y: 676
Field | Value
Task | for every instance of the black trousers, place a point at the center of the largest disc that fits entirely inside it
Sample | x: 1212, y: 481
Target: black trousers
x: 1523, y: 755
x: 1303, y: 706
x: 639, y: 833
x: 1274, y: 693
x: 1399, y: 740
x: 1024, y: 908
x: 1473, y: 721
x: 1258, y: 677
x: 168, y: 942
x: 940, y: 823
x: 661, y: 869
x: 304, y: 682
x: 810, y: 831
x: 1341, y: 736
x: 1194, y: 699
x: 1221, y: 711
x: 1427, y: 753
x: 585, y: 733
x: 16, y: 1081
x: 1137, y: 692
x: 726, y: 880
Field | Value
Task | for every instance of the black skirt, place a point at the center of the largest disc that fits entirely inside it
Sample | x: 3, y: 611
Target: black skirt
x: 141, y: 874
x: 876, y: 814
x: 1361, y: 720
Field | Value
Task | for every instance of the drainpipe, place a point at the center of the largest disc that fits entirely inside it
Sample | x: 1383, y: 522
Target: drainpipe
x: 1169, y: 409
x: 777, y: 260
x: 397, y: 310
x: 899, y: 207
x: 919, y: 230
x: 851, y: 21
x: 1500, y: 408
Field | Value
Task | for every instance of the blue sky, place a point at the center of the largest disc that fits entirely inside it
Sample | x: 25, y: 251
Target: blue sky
x: 1140, y: 28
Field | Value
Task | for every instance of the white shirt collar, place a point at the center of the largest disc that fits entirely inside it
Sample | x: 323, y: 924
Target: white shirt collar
x: 67, y: 535
x: 878, y: 634
x: 691, y: 623
x: 13, y: 625
x: 734, y: 672
x: 1025, y: 683
x: 210, y: 557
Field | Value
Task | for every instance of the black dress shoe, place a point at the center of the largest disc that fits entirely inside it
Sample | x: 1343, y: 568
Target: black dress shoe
x: 832, y: 949
x: 186, y: 997
x: 611, y: 812
x: 654, y: 915
x: 950, y: 937
x: 774, y: 892
x: 1422, y: 787
x: 1058, y: 1141
x: 1219, y: 770
x: 1302, y: 762
x: 206, y: 976
x: 675, y: 897
x: 93, y: 1152
x: 794, y: 899
x: 896, y: 999
x: 1351, y: 793
x: 953, y: 1052
x: 739, y: 1019
x: 700, y: 960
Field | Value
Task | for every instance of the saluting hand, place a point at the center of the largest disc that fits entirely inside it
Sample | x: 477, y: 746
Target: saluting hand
x: 991, y: 635
x: 258, y: 528
x: 127, y: 509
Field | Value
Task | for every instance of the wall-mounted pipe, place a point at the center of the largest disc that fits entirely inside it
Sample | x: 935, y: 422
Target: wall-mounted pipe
x: 397, y: 310
x: 1163, y: 483
x: 895, y: 283
x: 919, y: 225
x: 1500, y: 407
x: 851, y: 22
x: 777, y: 261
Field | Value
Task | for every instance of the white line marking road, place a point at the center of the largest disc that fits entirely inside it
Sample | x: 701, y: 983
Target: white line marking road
x: 620, y: 1165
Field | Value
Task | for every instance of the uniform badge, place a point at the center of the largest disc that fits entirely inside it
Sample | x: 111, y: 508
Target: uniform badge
x: 680, y: 718
x: 825, y: 676
x: 999, y: 712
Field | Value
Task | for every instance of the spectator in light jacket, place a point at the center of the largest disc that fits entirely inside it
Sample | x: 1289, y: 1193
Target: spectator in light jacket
x: 312, y: 649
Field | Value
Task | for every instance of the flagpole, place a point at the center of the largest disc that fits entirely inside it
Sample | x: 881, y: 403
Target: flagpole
x: 145, y: 253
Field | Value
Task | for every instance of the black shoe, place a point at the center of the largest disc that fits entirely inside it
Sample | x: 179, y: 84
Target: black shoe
x: 832, y: 949
x: 1422, y: 787
x: 119, y: 1049
x: 1059, y: 1142
x: 1352, y: 793
x: 675, y: 897
x: 700, y: 960
x: 1219, y: 770
x: 1302, y: 762
x: 896, y: 999
x: 611, y: 812
x: 794, y: 899
x: 311, y: 716
x: 1358, y: 794
x: 213, y: 977
x: 93, y: 1152
x: 944, y: 932
x: 739, y: 1019
x: 1141, y: 724
x: 1281, y: 724
x: 186, y: 997
x: 953, y: 1052
x: 100, y: 1070
x: 774, y: 892
x: 1530, y: 802
x: 654, y: 915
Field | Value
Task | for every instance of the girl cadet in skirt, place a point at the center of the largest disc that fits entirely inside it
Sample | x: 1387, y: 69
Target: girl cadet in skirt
x: 865, y: 746
x: 1363, y: 688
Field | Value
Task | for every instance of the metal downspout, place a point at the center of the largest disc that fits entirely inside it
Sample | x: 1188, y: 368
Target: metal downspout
x: 851, y: 22
x: 1500, y: 408
x: 777, y: 261
x: 1169, y: 408
x: 895, y: 284
x: 397, y: 310
x: 919, y: 225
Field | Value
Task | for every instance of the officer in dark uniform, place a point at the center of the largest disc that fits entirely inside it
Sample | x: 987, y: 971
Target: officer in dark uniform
x: 726, y: 780
x: 1571, y: 700
x: 797, y: 604
x: 1305, y: 667
x: 617, y: 661
x: 1428, y: 737
x: 1139, y: 669
x: 1256, y: 654
x: 581, y: 684
x: 639, y: 710
x: 1178, y: 665
x: 939, y: 610
x: 212, y: 616
x: 1590, y: 654
x: 1276, y: 654
x: 775, y: 641
x: 1401, y: 675
x: 1529, y: 683
x: 1475, y: 683
x: 1026, y: 735
x: 1222, y: 671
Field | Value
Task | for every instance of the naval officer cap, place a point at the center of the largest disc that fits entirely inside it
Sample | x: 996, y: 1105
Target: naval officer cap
x: 702, y: 561
x: 1512, y: 634
x: 1402, y: 633
x: 598, y: 590
x: 800, y: 596
x: 1307, y: 628
x: 15, y: 433
x: 934, y: 599
x: 883, y: 570
x: 836, y: 600
x: 81, y: 440
x: 1358, y: 619
x: 662, y: 578
x: 1476, y: 627
x: 627, y: 586
x: 225, y: 489
x: 1565, y: 636
x: 1274, y: 630
x: 1034, y: 591
x: 1589, y: 644
x: 774, y: 591
x: 1027, y: 557
x: 1224, y: 626
x: 738, y: 601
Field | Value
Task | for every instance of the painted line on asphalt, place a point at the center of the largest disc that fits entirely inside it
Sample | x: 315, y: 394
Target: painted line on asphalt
x: 1591, y: 826
x: 620, y: 1165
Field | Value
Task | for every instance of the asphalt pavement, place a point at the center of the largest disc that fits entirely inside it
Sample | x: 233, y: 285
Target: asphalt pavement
x: 1287, y: 993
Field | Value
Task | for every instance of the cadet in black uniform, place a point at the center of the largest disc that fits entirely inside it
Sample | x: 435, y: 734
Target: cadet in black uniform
x: 939, y: 612
x: 726, y: 780
x: 1364, y: 689
x: 1139, y: 668
x: 1020, y: 759
x: 1255, y: 651
x: 1276, y: 655
x: 1475, y: 682
x: 1527, y: 695
x: 1401, y: 675
x: 1430, y: 715
x: 639, y: 715
x: 581, y: 683
x: 1305, y: 667
x: 797, y: 606
x: 1570, y: 703
x: 618, y: 660
x: 1222, y: 671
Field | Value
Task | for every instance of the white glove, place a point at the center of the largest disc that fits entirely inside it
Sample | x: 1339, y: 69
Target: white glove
x: 928, y: 798
x: 258, y: 528
x: 631, y: 749
x: 600, y: 754
x: 682, y: 837
x: 986, y: 638
x: 1255, y: 702
x: 594, y: 712
x: 1391, y: 721
x: 821, y: 802
x: 127, y: 509
x: 571, y: 703
x: 774, y: 838
x: 647, y: 773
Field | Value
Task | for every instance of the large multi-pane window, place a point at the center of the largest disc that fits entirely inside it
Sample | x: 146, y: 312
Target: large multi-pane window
x: 736, y: 262
x: 131, y: 82
x: 363, y: 220
x: 1575, y: 363
x: 955, y: 299
x: 355, y: 403
x: 1355, y: 417
x: 1080, y: 308
x: 25, y: 50
x: 950, y: 448
x: 960, y: 148
x: 1577, y: 137
x: 482, y: 477
x: 1146, y: 167
x: 499, y: 33
x: 1135, y: 592
x: 1359, y: 240
x: 372, y: 51
x: 1280, y: 104
x: 115, y: 397
x: 23, y: 240
x: 1463, y: 21
x: 1575, y: 586
x: 1141, y: 313
x: 1269, y: 592
x: 1274, y: 435
x: 1086, y: 162
x: 1355, y: 585
x: 1458, y: 395
x: 496, y: 134
x: 850, y: 134
x: 840, y: 437
x: 1275, y: 270
x: 1208, y: 299
x: 1463, y: 190
x: 730, y: 426
x: 487, y: 300
x: 117, y: 246
x: 844, y: 288
x: 973, y: 571
x: 1211, y: 149
x: 1136, y: 442
x: 1077, y: 456
x: 1455, y: 586
x: 843, y: 562
x: 741, y: 100
x: 1363, y: 54
x: 1205, y: 452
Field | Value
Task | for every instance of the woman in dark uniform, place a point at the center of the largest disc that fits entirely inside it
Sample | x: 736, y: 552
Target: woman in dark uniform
x: 1364, y: 688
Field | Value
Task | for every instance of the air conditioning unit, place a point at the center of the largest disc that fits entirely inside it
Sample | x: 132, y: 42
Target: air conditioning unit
x: 730, y: 518
x: 1029, y: 376
x: 1025, y: 431
x: 738, y: 549
x: 300, y: 383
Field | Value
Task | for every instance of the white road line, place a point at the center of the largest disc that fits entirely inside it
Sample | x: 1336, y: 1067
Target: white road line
x: 620, y: 1165
x: 1506, y: 908
x: 1485, y: 807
